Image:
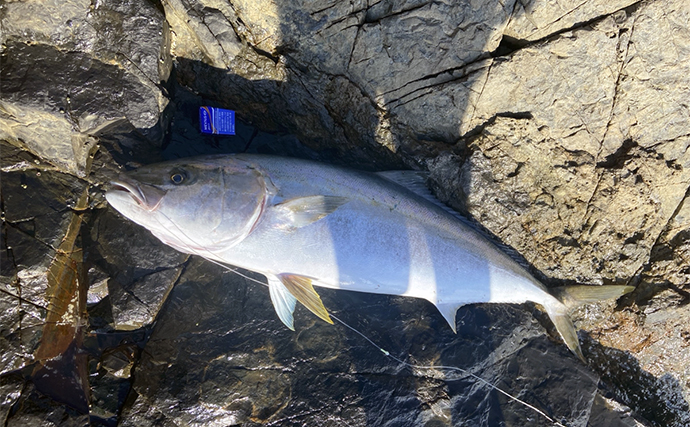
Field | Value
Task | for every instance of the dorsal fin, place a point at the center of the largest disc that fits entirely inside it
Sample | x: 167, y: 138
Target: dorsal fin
x: 415, y: 181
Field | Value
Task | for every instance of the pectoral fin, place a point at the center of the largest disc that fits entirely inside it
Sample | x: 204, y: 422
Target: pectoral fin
x: 303, y: 211
x: 283, y: 301
x: 301, y: 288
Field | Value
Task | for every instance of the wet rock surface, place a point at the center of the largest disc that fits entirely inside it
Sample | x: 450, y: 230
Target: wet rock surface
x: 57, y: 59
x: 561, y: 128
x: 243, y: 369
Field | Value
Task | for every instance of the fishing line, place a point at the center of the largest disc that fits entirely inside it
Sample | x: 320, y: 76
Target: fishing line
x: 384, y: 351
x: 451, y: 368
x: 195, y: 252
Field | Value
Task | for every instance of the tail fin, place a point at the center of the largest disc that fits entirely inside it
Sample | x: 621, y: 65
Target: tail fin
x: 575, y: 296
x: 572, y: 297
x: 564, y: 325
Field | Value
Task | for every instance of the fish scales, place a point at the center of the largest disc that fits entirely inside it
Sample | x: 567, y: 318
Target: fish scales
x: 302, y: 223
x: 380, y: 241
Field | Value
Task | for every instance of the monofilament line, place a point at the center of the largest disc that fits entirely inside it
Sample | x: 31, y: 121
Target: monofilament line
x: 413, y: 366
x: 385, y: 352
x: 452, y: 368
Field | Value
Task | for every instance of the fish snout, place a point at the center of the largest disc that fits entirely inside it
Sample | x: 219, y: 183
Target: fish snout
x: 147, y: 197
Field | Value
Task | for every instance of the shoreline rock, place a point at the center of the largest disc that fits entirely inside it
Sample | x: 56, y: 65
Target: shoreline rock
x: 560, y: 129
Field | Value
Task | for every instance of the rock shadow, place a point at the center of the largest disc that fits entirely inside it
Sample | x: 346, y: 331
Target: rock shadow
x: 659, y: 400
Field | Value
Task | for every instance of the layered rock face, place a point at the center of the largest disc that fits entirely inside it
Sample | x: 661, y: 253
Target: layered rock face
x: 561, y: 128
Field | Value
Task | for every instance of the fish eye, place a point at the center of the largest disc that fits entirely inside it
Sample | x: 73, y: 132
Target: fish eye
x: 177, y: 178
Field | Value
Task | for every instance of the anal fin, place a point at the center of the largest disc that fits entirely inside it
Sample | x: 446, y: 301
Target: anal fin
x: 283, y: 301
x: 301, y: 288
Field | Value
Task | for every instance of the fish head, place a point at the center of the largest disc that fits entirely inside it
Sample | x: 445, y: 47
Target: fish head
x: 197, y: 206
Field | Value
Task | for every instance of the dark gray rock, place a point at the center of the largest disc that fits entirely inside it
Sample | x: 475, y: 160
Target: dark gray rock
x: 140, y: 272
x: 37, y: 203
x: 34, y: 409
x: 561, y: 129
x: 219, y: 346
x: 11, y: 388
x: 69, y: 70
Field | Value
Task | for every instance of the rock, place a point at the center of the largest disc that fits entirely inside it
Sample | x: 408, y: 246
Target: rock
x: 110, y: 381
x: 70, y: 69
x: 597, y: 181
x: 536, y: 20
x: 558, y: 127
x: 11, y: 387
x: 607, y: 412
x: 33, y: 409
x: 72, y: 74
x: 221, y: 338
x: 37, y: 203
x: 185, y: 140
x: 594, y: 199
x: 140, y: 272
x: 670, y: 255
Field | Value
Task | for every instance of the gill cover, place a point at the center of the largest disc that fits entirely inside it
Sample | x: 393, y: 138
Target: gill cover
x: 242, y: 199
x: 202, y: 205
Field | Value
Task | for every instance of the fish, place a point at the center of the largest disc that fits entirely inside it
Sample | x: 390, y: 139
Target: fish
x: 302, y: 224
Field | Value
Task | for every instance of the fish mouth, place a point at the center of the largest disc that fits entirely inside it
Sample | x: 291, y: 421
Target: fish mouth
x: 146, y: 196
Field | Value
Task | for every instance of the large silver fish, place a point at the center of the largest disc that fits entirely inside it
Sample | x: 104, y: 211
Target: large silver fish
x: 302, y: 223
